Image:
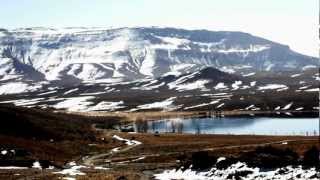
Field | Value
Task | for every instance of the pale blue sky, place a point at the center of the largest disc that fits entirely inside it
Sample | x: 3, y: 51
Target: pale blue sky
x: 292, y: 22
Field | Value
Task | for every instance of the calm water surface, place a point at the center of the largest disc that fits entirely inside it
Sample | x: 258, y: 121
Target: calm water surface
x: 232, y: 125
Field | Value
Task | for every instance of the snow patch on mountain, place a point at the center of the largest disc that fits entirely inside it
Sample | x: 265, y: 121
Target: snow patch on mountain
x: 272, y: 87
x: 106, y: 106
x: 75, y: 103
x: 17, y: 87
x: 199, y: 84
x: 166, y: 104
x: 91, y: 54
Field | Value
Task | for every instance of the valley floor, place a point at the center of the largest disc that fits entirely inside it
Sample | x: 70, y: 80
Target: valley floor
x: 155, y: 153
x: 111, y: 154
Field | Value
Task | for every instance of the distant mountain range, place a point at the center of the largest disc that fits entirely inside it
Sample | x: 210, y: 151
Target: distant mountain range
x: 134, y: 69
x: 89, y: 54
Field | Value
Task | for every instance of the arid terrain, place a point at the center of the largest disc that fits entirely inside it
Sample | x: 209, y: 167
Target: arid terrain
x: 88, y: 147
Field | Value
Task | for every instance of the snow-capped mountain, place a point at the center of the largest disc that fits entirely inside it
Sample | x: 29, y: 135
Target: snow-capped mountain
x: 134, y: 69
x: 72, y: 55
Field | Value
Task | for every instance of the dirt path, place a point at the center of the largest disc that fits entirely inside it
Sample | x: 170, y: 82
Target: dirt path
x: 231, y: 147
x: 90, y: 161
x: 107, y: 157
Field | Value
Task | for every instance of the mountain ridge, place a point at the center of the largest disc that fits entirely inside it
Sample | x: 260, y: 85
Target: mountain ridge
x: 90, y: 54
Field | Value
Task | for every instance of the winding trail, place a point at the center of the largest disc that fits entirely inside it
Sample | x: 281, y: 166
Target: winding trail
x: 91, y: 160
x: 231, y: 147
x: 106, y: 157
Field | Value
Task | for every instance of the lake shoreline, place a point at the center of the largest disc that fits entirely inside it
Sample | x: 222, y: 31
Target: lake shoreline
x: 127, y: 117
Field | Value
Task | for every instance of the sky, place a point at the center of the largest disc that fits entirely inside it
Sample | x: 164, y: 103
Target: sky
x: 290, y: 22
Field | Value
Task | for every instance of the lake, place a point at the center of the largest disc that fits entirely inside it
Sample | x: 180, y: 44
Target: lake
x: 232, y: 125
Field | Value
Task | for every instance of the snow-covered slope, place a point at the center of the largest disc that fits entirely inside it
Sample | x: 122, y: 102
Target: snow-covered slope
x: 72, y: 55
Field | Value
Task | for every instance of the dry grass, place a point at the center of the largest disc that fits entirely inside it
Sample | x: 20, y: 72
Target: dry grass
x: 113, y: 175
x: 179, y: 143
x: 133, y: 116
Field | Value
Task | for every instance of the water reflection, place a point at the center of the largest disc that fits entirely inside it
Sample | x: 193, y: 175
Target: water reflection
x: 248, y: 125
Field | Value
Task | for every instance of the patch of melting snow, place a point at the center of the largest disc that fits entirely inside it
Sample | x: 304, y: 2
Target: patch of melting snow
x: 283, y: 89
x: 115, y: 149
x: 299, y: 108
x: 71, y: 91
x: 201, y: 105
x: 36, y: 165
x: 308, y: 67
x: 250, y: 107
x: 75, y: 103
x: 312, y: 90
x: 227, y: 70
x: 108, y: 89
x: 295, y: 75
x: 220, y: 86
x: 272, y: 87
x: 304, y: 87
x: 288, y: 106
x: 101, y: 168
x: 104, y: 105
x: 236, y: 85
x: 4, y: 152
x: 288, y: 113
x: 183, y: 79
x: 72, y: 171
x: 252, y: 173
x: 151, y: 86
x: 12, y: 167
x: 92, y: 94
x: 199, y: 84
x: 46, y: 93
x: 220, y: 105
x: 253, y: 83
x: 17, y: 87
x: 69, y: 178
x: 50, y: 167
x: 24, y: 102
x: 221, y: 159
x: 127, y: 141
x: 249, y: 74
x: 165, y: 104
x: 245, y: 87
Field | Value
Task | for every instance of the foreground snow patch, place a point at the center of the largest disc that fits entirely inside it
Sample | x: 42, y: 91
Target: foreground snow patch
x: 72, y: 171
x: 36, y: 165
x: 239, y: 168
x: 12, y: 167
